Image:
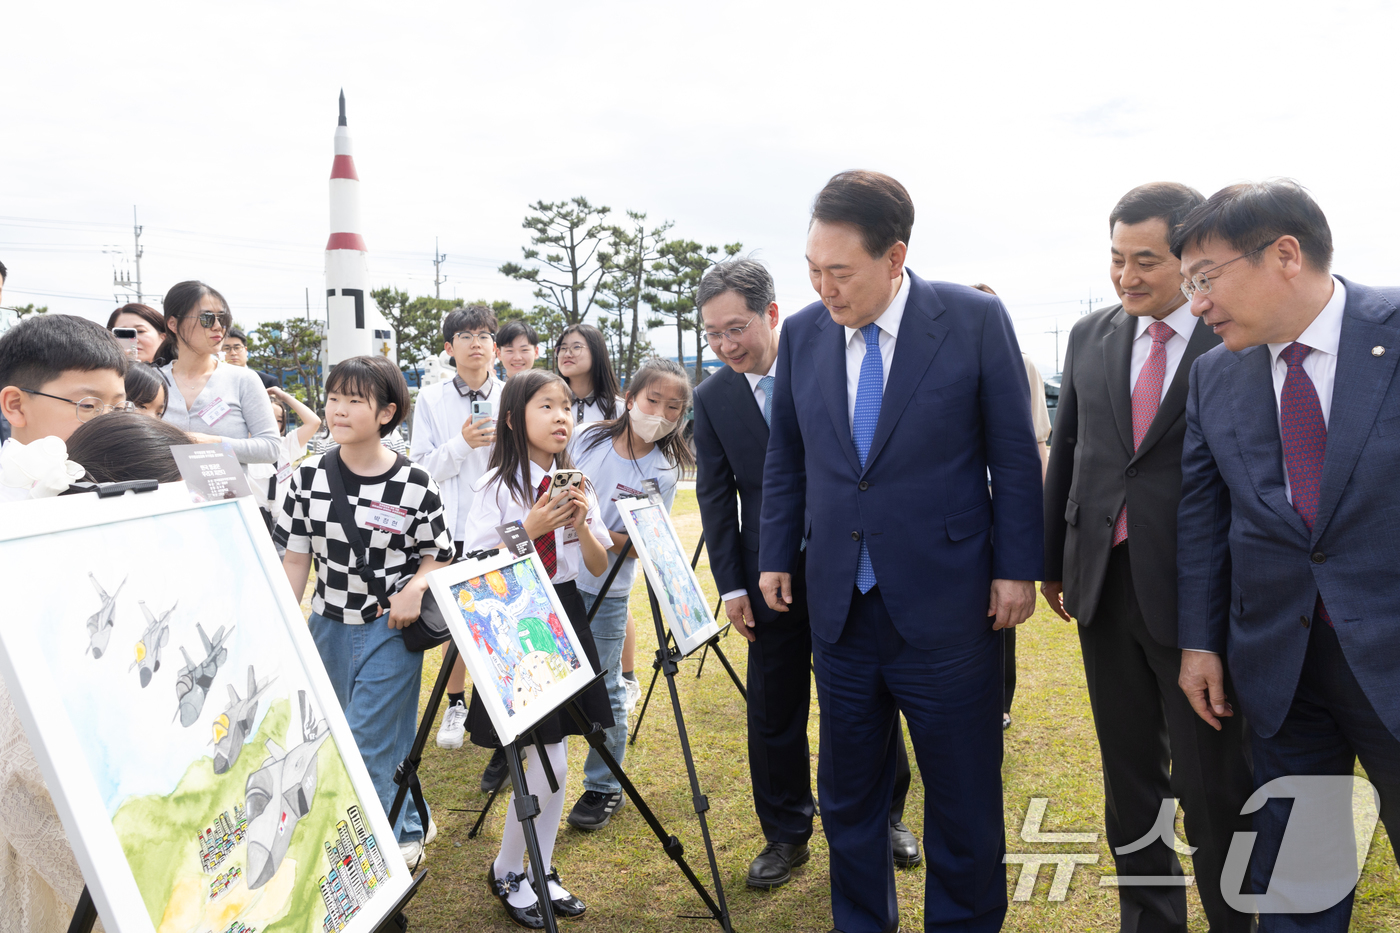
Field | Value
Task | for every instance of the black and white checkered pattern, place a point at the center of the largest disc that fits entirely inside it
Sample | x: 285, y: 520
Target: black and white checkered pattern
x: 304, y: 526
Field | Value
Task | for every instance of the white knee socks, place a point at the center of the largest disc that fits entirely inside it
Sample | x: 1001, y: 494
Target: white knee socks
x: 512, y: 855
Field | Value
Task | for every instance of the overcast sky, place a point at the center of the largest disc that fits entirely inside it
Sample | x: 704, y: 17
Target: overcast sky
x: 1015, y: 127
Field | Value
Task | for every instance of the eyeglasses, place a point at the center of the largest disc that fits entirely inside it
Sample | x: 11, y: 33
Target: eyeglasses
x: 208, y: 319
x: 474, y: 338
x: 572, y: 349
x: 1200, y: 282
x: 733, y: 333
x: 85, y: 408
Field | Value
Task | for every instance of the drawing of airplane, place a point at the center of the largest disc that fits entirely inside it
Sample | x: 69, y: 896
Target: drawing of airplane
x: 235, y: 724
x: 100, y: 622
x: 152, y: 640
x: 194, y: 681
x: 278, y: 795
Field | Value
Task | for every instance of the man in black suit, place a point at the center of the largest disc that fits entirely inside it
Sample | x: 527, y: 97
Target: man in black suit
x: 1111, y: 496
x: 731, y: 440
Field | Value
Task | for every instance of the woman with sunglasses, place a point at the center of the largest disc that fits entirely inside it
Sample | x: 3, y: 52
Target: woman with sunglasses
x: 210, y: 400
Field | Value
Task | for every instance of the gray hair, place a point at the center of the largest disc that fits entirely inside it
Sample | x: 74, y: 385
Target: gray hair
x: 748, y: 277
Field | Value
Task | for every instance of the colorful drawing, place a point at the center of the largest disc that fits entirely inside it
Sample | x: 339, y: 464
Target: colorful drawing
x: 513, y: 621
x: 152, y: 640
x: 667, y: 567
x: 181, y: 834
x: 515, y: 637
x: 235, y: 724
x: 357, y: 869
x: 194, y: 681
x: 100, y: 622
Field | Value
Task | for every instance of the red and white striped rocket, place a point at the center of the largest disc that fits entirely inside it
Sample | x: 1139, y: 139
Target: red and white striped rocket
x: 350, y: 315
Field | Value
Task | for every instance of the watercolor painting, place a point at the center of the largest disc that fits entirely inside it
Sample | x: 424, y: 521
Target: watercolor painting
x: 218, y: 812
x: 688, y: 616
x: 514, y: 636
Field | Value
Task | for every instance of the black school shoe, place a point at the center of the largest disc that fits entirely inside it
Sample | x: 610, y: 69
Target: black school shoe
x: 528, y: 917
x: 904, y: 846
x: 495, y: 774
x: 773, y: 866
x: 571, y: 907
x: 594, y: 810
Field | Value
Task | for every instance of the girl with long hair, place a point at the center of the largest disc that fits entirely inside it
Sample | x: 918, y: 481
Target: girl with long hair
x: 533, y: 429
x: 581, y: 356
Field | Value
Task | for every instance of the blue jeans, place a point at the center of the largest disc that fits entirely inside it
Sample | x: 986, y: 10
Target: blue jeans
x: 377, y: 681
x: 609, y: 632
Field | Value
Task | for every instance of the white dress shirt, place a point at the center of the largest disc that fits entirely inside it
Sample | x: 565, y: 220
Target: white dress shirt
x: 888, y: 322
x: 1324, y: 335
x: 438, y: 446
x: 493, y: 505
x: 1182, y: 322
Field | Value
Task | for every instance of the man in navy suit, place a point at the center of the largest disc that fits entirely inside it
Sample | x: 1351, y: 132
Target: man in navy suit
x: 1289, y: 514
x: 894, y: 397
x: 732, y: 409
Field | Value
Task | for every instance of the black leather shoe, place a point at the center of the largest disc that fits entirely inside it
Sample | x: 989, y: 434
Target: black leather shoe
x: 774, y: 865
x: 495, y: 774
x: 571, y: 907
x: 528, y: 917
x: 905, y: 846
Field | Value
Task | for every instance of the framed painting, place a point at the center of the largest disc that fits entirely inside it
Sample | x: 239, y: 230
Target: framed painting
x: 514, y: 636
x: 193, y: 746
x: 678, y: 592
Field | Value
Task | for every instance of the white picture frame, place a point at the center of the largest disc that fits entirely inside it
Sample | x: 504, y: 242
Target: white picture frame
x: 167, y: 814
x: 516, y: 639
x: 687, y: 612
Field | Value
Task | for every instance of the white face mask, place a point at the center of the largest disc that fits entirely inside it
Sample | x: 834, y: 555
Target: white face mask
x: 651, y: 428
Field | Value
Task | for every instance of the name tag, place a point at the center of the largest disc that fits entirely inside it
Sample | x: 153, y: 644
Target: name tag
x: 570, y: 534
x: 624, y: 490
x: 285, y: 473
x: 387, y: 518
x: 215, y: 411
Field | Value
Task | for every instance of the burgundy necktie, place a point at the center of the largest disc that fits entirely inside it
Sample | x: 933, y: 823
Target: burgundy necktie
x: 1304, y: 440
x: 544, y: 544
x: 1147, y: 398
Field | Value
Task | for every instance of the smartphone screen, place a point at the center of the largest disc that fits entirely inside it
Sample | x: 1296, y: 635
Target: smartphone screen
x: 126, y: 336
x: 481, y: 408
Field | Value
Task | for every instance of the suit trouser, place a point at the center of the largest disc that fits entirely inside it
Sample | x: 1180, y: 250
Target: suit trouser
x: 1329, y: 726
x: 780, y: 691
x: 1154, y: 746
x: 951, y: 701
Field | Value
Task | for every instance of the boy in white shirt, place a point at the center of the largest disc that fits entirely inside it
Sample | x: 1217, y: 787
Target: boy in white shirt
x: 453, y: 447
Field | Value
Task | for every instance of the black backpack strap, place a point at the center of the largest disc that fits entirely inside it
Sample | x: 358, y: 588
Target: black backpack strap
x: 343, y: 514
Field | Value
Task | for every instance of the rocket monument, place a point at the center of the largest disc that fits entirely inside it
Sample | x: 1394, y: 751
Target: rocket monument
x: 351, y: 318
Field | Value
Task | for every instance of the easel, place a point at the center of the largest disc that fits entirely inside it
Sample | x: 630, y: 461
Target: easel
x: 406, y: 777
x: 669, y: 644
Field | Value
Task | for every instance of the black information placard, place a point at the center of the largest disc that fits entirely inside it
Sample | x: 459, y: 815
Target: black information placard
x: 517, y: 542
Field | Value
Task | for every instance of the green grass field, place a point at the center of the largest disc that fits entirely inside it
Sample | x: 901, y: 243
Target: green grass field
x: 630, y: 884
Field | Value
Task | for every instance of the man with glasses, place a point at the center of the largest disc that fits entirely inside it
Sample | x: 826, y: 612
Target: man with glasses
x: 732, y: 411
x: 453, y: 444
x: 1288, y: 521
x: 1111, y: 495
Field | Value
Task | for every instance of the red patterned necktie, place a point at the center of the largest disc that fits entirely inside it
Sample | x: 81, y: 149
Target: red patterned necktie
x: 544, y: 544
x: 1147, y: 398
x: 1304, y: 440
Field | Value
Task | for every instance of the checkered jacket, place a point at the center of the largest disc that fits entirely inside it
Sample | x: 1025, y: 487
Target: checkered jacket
x: 304, y: 525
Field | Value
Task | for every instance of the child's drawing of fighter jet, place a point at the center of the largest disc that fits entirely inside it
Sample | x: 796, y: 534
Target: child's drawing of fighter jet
x: 277, y: 796
x: 194, y: 681
x: 148, y: 648
x: 100, y: 622
x: 235, y: 724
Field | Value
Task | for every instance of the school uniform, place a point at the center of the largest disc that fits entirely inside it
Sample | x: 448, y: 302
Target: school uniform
x: 493, y: 505
x: 438, y: 446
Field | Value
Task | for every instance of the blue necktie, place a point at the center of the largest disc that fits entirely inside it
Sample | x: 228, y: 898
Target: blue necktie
x: 869, y: 392
x: 766, y: 385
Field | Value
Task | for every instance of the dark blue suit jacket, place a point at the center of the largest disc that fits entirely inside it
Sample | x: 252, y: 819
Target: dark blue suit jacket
x: 1250, y: 570
x: 956, y: 405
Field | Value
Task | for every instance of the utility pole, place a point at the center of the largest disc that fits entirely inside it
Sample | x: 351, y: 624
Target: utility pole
x: 438, y: 260
x: 125, y: 281
x: 1089, y: 303
x: 308, y: 304
x: 1057, y: 331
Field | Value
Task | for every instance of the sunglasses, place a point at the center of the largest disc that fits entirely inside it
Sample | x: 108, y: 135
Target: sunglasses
x: 208, y: 319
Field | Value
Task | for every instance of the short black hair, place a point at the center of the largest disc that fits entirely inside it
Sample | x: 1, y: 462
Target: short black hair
x: 42, y: 347
x: 121, y: 446
x: 469, y: 318
x: 237, y: 334
x: 1165, y: 199
x: 872, y: 202
x: 513, y: 330
x: 4, y: 273
x: 372, y: 377
x: 144, y: 384
x: 747, y: 277
x: 1252, y: 215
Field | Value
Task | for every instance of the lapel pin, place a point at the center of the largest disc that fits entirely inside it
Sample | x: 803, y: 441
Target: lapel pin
x: 1378, y: 351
